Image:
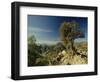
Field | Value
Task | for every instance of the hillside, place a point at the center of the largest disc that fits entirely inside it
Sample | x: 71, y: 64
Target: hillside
x: 58, y: 55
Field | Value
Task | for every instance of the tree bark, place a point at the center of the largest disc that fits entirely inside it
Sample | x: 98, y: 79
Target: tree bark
x: 74, y: 49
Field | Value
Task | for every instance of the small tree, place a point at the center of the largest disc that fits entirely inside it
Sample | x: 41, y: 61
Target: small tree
x: 32, y: 51
x: 32, y: 40
x: 69, y: 31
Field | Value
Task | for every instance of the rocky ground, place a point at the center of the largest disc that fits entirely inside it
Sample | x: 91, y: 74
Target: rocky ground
x: 58, y: 55
x: 66, y: 58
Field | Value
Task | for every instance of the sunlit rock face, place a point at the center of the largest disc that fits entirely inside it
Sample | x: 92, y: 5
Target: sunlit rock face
x: 69, y: 59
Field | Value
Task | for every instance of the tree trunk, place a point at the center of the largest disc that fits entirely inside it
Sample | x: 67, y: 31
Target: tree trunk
x: 73, y: 47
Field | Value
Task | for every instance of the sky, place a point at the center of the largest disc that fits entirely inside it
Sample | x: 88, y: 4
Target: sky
x: 46, y: 28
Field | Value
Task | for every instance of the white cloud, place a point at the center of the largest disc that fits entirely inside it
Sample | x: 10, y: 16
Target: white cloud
x: 34, y: 29
x: 81, y: 40
x: 48, y: 42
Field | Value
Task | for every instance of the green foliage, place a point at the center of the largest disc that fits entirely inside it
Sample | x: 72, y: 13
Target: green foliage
x: 69, y: 31
x: 32, y: 51
x: 32, y: 54
x: 32, y: 40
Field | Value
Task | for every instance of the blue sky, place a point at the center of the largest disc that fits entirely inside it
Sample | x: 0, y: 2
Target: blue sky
x: 46, y: 28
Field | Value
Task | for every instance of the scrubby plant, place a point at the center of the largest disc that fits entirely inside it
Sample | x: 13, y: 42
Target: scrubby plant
x: 70, y: 31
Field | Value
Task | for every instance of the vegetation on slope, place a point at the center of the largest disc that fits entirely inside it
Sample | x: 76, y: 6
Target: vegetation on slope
x: 66, y: 52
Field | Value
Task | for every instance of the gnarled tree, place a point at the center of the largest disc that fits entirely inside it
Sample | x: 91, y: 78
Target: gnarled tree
x: 70, y: 31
